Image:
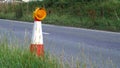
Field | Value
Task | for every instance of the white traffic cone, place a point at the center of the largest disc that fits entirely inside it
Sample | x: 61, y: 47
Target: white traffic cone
x: 37, y: 36
x: 37, y: 39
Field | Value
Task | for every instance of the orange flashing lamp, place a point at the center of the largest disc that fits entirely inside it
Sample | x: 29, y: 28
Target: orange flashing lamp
x: 39, y: 14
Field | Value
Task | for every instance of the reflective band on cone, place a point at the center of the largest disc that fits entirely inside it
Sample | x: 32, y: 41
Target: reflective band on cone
x: 37, y: 39
x: 38, y: 48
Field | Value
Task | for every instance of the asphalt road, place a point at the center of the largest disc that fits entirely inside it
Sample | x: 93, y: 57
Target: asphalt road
x: 99, y: 49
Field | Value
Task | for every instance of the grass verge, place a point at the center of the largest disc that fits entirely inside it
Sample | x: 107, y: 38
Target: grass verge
x: 14, y: 57
x: 103, y: 15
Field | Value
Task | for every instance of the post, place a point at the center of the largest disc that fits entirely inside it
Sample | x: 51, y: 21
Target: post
x: 37, y: 46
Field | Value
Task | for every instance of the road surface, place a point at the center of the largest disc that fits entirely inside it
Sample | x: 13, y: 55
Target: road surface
x: 99, y: 49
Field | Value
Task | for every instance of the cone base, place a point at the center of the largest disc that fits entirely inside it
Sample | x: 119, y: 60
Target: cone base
x: 38, y: 49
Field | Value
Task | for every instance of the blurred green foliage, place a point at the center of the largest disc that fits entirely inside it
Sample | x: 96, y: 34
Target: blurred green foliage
x: 95, y: 14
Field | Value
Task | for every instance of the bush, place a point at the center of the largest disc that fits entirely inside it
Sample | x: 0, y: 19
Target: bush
x: 86, y: 13
x: 18, y: 11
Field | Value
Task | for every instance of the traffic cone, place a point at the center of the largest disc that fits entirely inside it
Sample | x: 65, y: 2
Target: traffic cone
x: 37, y: 36
x: 37, y: 39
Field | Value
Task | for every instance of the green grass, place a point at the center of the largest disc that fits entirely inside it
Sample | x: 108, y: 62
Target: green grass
x: 6, y: 15
x: 101, y: 15
x: 14, y: 57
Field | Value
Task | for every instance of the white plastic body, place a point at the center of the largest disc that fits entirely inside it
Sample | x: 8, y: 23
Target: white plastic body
x: 37, y: 37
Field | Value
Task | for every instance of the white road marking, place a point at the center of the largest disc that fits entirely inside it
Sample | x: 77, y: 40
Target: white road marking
x: 46, y: 33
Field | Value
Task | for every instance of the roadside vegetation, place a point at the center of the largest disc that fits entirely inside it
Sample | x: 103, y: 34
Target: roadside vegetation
x: 92, y: 14
x: 12, y: 56
x: 15, y: 53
